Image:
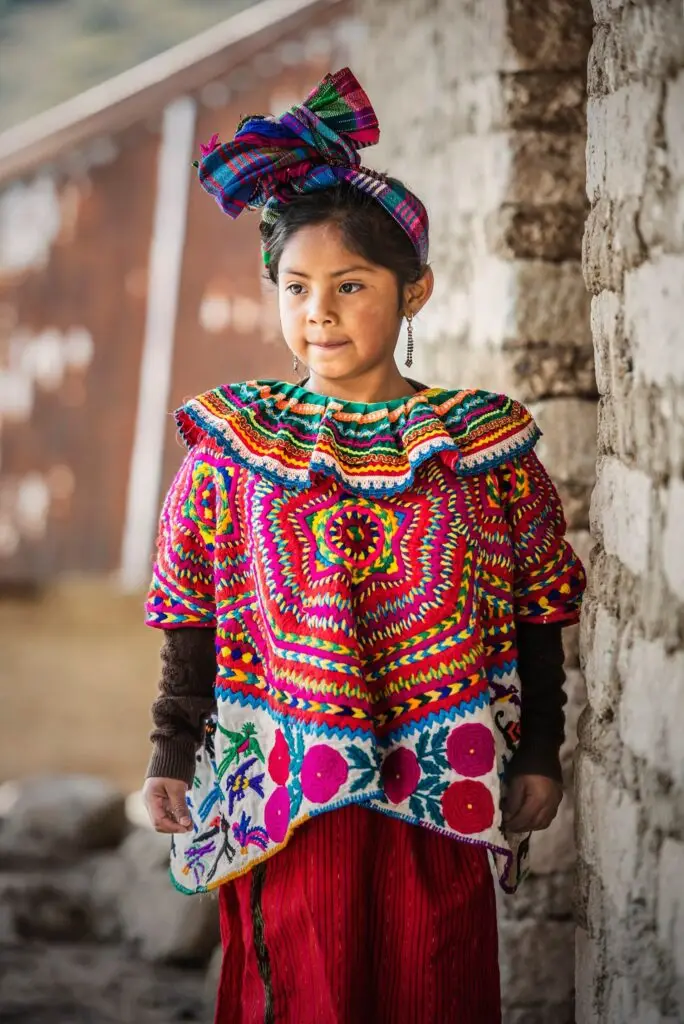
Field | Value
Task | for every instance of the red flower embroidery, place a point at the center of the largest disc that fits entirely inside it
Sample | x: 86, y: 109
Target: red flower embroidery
x: 279, y: 760
x: 324, y: 772
x: 470, y: 750
x: 400, y: 775
x: 277, y: 814
x: 468, y: 807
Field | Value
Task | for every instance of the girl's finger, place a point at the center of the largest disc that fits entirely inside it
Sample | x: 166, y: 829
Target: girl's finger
x: 520, y: 822
x: 515, y: 799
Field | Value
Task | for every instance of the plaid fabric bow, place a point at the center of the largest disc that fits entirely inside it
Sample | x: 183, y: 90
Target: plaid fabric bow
x: 312, y: 146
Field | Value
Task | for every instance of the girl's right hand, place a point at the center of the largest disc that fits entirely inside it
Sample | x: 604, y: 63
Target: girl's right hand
x: 166, y: 806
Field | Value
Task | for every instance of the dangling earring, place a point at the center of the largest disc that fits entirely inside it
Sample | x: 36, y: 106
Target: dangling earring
x: 295, y: 366
x: 409, y: 335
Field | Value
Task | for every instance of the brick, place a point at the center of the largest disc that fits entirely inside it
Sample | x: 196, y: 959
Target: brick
x: 671, y: 901
x: 674, y: 126
x: 621, y: 512
x: 509, y: 303
x: 520, y: 231
x: 568, y: 446
x: 582, y: 543
x: 646, y: 41
x: 612, y: 242
x: 471, y: 106
x: 554, y: 848
x: 621, y: 132
x: 672, y: 551
x: 567, y: 321
x: 544, y: 100
x: 588, y: 976
x: 530, y: 375
x: 549, y: 33
x: 606, y: 10
x: 654, y: 321
x: 484, y: 169
x: 472, y: 43
x: 550, y: 371
x: 661, y: 217
x: 608, y: 820
x: 548, y: 167
x: 605, y: 323
x: 651, y: 717
x: 538, y: 959
x: 600, y: 642
x: 575, y: 498
x: 542, y: 896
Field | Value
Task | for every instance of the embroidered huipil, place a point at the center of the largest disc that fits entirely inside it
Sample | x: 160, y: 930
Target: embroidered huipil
x: 364, y: 566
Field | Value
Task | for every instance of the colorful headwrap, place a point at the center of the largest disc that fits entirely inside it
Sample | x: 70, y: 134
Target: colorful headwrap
x: 272, y: 160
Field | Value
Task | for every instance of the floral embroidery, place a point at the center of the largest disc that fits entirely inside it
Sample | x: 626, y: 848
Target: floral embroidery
x: 468, y: 807
x: 324, y: 772
x: 279, y: 760
x: 400, y: 775
x: 424, y: 801
x: 470, y: 750
x: 277, y: 814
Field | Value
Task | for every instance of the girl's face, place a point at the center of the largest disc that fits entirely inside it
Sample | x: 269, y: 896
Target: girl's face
x: 339, y: 313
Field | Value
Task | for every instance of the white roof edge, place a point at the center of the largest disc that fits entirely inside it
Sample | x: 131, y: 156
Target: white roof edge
x: 146, y: 87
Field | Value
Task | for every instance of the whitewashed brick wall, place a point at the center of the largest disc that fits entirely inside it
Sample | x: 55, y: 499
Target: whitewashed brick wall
x: 630, y: 776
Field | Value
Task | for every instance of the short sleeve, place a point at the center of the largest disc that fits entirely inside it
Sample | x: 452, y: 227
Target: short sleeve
x: 549, y: 578
x: 182, y: 589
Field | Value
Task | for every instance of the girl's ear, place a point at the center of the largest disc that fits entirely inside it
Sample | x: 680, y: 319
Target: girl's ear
x: 418, y: 292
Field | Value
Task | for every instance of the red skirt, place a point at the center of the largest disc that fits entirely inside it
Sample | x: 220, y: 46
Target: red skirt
x: 361, y: 919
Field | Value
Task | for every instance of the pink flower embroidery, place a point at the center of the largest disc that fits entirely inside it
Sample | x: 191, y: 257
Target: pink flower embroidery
x: 470, y: 750
x: 324, y: 772
x: 279, y: 760
x: 277, y: 814
x: 468, y: 807
x: 208, y: 147
x: 400, y: 775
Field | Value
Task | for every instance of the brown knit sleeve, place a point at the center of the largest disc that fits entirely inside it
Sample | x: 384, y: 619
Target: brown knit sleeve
x: 542, y: 718
x: 186, y: 698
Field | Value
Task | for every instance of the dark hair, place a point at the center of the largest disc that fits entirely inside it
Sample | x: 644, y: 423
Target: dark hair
x: 366, y: 227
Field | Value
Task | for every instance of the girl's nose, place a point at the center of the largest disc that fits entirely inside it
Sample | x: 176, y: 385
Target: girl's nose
x: 320, y: 311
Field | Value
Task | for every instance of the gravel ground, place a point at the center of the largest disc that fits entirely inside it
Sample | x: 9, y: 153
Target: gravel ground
x: 79, y: 984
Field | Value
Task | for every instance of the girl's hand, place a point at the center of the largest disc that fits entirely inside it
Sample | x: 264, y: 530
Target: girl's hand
x: 166, y: 806
x: 531, y: 803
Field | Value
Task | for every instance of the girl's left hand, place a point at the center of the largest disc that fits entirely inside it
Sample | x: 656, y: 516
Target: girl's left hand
x: 531, y: 803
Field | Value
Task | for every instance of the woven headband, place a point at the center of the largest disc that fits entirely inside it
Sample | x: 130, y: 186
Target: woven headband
x: 273, y: 160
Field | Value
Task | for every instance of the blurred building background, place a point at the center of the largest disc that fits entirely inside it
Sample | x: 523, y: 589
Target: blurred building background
x: 548, y: 141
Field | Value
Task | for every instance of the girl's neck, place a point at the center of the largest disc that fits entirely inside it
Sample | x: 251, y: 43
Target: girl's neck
x: 366, y: 389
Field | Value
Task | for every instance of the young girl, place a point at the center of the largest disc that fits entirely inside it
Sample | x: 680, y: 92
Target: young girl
x: 362, y: 582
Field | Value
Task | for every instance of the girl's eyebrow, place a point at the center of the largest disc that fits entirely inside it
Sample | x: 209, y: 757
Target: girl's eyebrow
x: 335, y: 273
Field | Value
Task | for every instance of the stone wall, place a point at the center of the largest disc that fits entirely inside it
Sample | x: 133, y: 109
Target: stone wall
x: 630, y: 956
x: 482, y: 112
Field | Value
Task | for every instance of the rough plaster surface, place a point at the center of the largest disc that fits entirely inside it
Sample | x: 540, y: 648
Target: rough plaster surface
x: 630, y: 773
x: 482, y: 112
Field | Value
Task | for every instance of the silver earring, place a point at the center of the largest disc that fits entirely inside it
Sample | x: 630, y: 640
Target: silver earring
x: 409, y: 335
x: 295, y: 365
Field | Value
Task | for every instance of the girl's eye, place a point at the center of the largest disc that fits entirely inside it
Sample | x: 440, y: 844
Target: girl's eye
x: 295, y: 288
x: 349, y: 287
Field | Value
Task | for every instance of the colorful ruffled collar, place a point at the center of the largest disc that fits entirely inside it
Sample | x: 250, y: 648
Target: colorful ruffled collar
x: 291, y: 435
